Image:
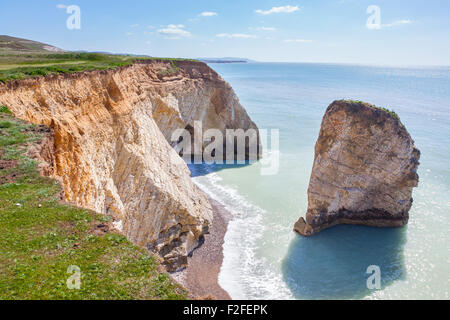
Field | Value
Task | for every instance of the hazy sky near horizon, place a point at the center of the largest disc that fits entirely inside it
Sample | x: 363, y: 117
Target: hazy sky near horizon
x: 411, y: 32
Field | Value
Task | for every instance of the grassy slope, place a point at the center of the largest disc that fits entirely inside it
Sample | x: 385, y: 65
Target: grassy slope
x: 41, y: 237
x: 16, y: 66
x: 8, y: 43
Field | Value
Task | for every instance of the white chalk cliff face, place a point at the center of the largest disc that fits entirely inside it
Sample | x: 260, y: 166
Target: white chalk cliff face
x: 364, y: 172
x: 112, y: 149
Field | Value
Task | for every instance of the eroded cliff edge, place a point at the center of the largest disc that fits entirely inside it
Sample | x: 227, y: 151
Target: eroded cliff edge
x: 364, y: 172
x: 112, y: 149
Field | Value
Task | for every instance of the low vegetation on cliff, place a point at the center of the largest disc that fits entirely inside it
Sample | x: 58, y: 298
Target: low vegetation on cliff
x: 170, y: 71
x: 390, y: 112
x: 41, y: 238
x: 14, y: 66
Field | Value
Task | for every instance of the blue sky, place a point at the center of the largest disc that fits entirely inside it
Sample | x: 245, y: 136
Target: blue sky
x: 412, y: 32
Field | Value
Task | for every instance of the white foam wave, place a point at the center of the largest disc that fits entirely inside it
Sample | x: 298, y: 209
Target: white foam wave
x: 245, y: 274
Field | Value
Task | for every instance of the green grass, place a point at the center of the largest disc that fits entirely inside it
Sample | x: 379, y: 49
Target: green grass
x: 18, y: 66
x: 4, y: 109
x: 21, y: 66
x: 391, y: 112
x: 40, y: 237
x: 172, y: 70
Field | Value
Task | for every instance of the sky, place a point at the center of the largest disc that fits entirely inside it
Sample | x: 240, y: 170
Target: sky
x: 379, y: 32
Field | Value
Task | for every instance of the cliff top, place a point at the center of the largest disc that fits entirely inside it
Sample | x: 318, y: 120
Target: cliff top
x: 22, y: 59
x: 366, y: 111
x: 19, y: 66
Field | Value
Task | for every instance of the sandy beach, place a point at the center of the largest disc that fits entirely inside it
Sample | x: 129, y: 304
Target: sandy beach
x: 202, y: 274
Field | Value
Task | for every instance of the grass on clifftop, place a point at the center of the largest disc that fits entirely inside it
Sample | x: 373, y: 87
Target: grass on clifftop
x: 40, y: 237
x: 17, y: 66
x: 172, y: 70
x: 391, y: 112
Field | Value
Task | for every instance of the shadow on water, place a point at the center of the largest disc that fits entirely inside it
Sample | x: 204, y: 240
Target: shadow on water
x: 333, y: 263
x: 198, y: 170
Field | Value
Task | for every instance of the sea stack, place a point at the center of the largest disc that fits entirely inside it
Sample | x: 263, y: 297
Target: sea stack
x: 365, y: 169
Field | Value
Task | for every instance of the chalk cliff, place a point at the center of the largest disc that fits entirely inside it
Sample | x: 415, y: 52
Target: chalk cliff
x: 364, y: 172
x: 111, y: 144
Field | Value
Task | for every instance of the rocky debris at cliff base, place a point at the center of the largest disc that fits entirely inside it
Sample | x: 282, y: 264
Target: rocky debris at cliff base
x: 365, y: 169
x: 202, y: 273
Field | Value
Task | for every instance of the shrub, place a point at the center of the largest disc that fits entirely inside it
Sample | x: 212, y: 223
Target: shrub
x: 5, y: 124
x: 5, y: 109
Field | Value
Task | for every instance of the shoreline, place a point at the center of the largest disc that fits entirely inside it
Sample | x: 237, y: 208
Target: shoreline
x: 201, y: 277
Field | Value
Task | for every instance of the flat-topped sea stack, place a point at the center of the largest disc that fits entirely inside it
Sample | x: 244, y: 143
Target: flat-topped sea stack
x: 364, y: 172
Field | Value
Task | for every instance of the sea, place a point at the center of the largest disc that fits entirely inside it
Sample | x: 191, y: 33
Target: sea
x: 263, y: 257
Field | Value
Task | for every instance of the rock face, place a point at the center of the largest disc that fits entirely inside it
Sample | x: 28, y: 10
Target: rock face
x: 365, y: 169
x: 112, y: 149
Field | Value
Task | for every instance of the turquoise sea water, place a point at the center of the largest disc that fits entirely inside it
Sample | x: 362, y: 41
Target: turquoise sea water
x: 264, y: 259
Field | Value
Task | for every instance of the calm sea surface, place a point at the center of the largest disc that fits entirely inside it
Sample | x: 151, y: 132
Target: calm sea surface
x: 264, y: 259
